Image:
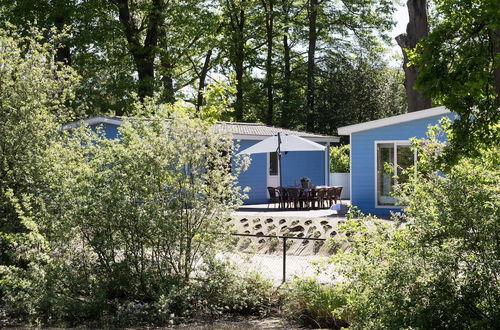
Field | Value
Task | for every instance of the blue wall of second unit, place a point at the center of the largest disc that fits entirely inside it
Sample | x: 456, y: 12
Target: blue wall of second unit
x: 294, y: 166
x: 255, y: 177
x: 298, y: 164
x: 363, y: 159
x: 110, y: 130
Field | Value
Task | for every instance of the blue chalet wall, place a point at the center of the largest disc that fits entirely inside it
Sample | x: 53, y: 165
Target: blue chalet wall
x: 255, y: 177
x: 363, y: 158
x: 297, y: 164
x: 110, y: 130
x: 294, y: 166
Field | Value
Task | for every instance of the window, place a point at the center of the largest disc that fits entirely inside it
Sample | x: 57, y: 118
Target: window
x: 273, y: 163
x: 393, y: 159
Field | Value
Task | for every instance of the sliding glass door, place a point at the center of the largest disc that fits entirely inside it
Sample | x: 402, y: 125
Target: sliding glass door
x: 393, y: 160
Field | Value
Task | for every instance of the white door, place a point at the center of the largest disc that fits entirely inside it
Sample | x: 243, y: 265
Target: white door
x: 273, y: 177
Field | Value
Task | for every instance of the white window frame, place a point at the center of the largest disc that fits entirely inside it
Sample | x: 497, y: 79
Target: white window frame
x: 395, y: 143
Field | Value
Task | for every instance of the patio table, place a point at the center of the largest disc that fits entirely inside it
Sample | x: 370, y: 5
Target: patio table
x: 309, y: 195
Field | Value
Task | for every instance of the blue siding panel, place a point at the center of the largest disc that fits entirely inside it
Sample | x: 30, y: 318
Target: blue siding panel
x: 255, y: 177
x: 298, y: 164
x: 110, y: 130
x: 363, y: 159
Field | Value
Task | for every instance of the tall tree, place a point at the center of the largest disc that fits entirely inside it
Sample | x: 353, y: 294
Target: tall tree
x: 417, y: 28
x: 356, y: 90
x: 311, y: 65
x: 142, y: 51
x: 268, y: 6
x: 236, y: 11
x: 459, y: 66
x: 286, y: 6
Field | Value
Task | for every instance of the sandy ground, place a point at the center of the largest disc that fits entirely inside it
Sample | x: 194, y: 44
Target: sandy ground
x: 265, y: 254
x: 271, y: 266
x: 266, y: 323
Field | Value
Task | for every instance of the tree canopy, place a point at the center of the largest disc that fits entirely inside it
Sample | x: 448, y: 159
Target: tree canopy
x: 268, y: 57
x: 459, y: 67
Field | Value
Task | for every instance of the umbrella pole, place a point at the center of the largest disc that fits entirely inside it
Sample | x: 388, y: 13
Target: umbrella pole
x: 279, y: 168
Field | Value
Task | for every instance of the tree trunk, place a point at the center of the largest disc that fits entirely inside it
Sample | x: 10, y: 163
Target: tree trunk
x: 167, y: 80
x: 311, y: 66
x: 63, y: 51
x: 201, y: 84
x: 287, y: 76
x: 495, y: 36
x: 239, y: 57
x: 143, y: 54
x: 269, y: 10
x: 417, y: 28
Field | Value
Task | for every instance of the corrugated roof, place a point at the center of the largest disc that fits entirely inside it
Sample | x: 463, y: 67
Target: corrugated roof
x: 235, y: 128
x: 260, y: 129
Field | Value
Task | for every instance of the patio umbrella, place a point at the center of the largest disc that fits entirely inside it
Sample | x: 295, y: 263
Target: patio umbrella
x: 283, y: 143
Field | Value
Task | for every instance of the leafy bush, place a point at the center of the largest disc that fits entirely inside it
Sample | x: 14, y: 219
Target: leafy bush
x: 438, y: 268
x: 35, y: 98
x: 339, y: 159
x: 313, y: 304
x: 223, y: 289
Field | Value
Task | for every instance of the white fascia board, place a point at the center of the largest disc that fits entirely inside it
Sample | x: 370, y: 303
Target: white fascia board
x: 347, y: 130
x: 94, y: 121
x: 331, y: 139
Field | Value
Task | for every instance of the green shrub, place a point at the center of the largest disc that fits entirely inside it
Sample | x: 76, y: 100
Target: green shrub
x: 439, y: 267
x: 35, y: 98
x: 313, y: 304
x: 223, y: 289
x: 339, y: 159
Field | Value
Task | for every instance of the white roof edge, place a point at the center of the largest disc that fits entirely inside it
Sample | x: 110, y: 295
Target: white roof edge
x: 333, y: 139
x: 94, y: 121
x: 346, y: 130
x: 113, y: 121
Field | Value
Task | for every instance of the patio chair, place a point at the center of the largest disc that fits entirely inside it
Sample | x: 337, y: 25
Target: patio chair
x: 273, y: 196
x: 319, y: 197
x: 338, y: 192
x: 283, y: 196
x: 330, y: 195
x: 295, y: 196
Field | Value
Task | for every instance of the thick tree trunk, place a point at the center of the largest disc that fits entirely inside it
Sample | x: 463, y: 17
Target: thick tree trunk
x: 417, y: 28
x: 167, y: 80
x: 238, y: 105
x: 268, y: 7
x: 311, y: 65
x: 202, y: 78
x: 63, y: 52
x: 143, y: 54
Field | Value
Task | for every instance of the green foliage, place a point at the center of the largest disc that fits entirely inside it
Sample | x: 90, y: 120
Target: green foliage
x: 224, y: 289
x: 339, y: 159
x: 313, y: 304
x: 35, y: 98
x: 148, y: 205
x: 355, y: 90
x: 438, y: 268
x: 191, y: 48
x: 456, y: 65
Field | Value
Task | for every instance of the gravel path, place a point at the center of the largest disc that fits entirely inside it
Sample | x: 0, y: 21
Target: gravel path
x: 271, y: 266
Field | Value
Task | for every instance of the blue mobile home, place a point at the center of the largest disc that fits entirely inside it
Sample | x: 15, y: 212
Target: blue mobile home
x: 263, y: 170
x: 382, y: 141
